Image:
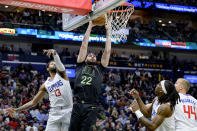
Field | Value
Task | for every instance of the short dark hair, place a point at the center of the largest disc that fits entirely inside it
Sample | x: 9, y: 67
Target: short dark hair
x: 91, y: 53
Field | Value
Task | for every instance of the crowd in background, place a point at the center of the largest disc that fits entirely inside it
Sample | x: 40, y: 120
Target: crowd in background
x: 19, y: 85
x: 29, y: 18
x: 181, y: 31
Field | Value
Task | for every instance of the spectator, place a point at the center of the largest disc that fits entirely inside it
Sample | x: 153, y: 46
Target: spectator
x: 31, y: 127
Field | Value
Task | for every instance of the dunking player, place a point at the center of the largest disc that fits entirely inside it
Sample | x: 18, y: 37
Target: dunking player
x: 161, y: 111
x: 88, y: 82
x: 185, y: 111
x: 60, y: 96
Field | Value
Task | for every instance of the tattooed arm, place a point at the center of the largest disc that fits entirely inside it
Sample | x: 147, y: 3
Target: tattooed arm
x: 164, y: 111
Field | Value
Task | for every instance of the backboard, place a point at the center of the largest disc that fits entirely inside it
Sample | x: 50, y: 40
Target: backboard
x: 77, y: 7
x: 71, y: 22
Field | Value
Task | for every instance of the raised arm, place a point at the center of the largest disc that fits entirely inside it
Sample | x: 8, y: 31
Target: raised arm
x: 145, y: 109
x: 164, y: 111
x: 106, y: 54
x: 84, y: 45
x: 39, y: 96
x: 59, y: 66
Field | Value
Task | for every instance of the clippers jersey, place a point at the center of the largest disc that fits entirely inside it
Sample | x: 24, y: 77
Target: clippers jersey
x: 59, y: 90
x: 186, y: 113
x: 168, y: 124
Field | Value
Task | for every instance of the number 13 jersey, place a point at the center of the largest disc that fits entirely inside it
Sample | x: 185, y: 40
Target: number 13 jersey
x: 185, y: 113
x: 59, y: 90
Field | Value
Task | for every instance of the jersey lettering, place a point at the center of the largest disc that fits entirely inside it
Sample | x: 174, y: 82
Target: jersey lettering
x: 86, y: 80
x: 55, y: 86
x: 57, y: 92
x: 88, y: 71
x: 188, y: 101
x: 190, y: 111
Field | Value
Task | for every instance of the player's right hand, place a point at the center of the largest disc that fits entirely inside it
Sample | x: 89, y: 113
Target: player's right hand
x: 134, y: 93
x: 11, y: 112
x: 50, y: 52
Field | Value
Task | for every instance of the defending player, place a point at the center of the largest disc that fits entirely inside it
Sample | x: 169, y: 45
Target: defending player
x: 60, y: 96
x: 160, y: 111
x: 185, y: 111
x: 89, y: 76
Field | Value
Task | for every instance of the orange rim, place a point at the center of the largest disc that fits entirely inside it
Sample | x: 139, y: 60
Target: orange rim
x: 124, y: 4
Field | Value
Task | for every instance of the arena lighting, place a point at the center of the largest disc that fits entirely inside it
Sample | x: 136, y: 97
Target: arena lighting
x: 60, y: 35
x: 179, y: 8
x: 70, y: 73
x: 7, y: 31
x: 167, y: 44
x: 191, y: 78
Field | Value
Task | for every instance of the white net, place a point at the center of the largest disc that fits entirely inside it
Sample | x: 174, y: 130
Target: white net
x: 120, y: 17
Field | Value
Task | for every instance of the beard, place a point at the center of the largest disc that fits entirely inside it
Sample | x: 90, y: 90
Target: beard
x: 52, y: 70
x: 90, y: 63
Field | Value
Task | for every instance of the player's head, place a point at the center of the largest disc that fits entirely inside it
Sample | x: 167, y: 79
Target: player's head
x: 182, y: 85
x: 51, y: 68
x: 166, y: 92
x: 91, y: 59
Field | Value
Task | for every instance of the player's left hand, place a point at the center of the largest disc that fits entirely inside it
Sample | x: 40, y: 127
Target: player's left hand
x: 135, y: 106
x: 50, y: 52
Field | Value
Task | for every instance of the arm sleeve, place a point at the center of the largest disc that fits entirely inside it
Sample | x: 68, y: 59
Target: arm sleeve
x: 58, y: 63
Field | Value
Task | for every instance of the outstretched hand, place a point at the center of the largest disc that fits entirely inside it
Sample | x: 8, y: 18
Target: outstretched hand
x: 11, y: 112
x: 50, y: 52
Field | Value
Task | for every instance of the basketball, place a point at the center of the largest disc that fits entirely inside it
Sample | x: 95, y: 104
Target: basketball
x: 100, y: 21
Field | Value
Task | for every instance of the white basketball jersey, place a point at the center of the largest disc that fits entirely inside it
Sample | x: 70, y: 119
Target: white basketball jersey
x: 186, y: 113
x: 59, y: 90
x: 168, y: 124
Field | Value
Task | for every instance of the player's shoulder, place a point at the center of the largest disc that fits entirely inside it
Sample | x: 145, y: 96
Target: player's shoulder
x: 101, y: 67
x: 187, y: 96
x: 165, y: 110
x: 80, y: 64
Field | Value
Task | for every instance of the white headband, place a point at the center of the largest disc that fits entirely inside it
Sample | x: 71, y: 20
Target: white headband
x: 163, y: 86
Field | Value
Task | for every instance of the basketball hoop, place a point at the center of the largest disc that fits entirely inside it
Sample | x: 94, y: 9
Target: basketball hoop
x: 120, y: 16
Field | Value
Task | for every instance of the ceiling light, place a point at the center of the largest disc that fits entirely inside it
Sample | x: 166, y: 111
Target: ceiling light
x: 163, y: 24
x: 160, y: 21
x: 6, y: 6
x: 170, y: 22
